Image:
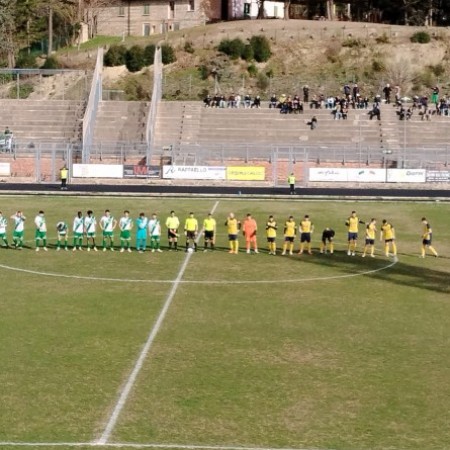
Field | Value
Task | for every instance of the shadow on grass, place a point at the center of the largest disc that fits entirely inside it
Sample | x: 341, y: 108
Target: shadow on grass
x: 400, y: 273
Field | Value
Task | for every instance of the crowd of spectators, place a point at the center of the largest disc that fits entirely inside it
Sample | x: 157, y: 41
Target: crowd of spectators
x: 339, y: 106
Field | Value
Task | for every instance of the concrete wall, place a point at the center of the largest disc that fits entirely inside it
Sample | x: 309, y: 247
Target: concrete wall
x: 144, y: 17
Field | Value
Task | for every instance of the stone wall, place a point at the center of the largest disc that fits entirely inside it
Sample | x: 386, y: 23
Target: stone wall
x: 146, y: 17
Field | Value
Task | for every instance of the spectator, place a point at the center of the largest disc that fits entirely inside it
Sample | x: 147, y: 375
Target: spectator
x: 208, y: 101
x: 435, y: 95
x: 305, y: 93
x: 7, y: 131
x: 232, y: 101
x: 387, y: 93
x: 375, y: 112
x: 247, y: 101
x: 273, y: 101
x: 312, y: 123
x: 257, y: 102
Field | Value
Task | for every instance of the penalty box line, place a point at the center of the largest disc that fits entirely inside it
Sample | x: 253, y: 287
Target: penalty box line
x: 125, y: 392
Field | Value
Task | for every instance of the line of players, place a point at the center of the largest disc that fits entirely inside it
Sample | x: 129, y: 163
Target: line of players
x: 84, y: 227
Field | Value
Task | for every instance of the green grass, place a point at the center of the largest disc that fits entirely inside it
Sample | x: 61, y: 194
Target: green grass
x: 350, y: 362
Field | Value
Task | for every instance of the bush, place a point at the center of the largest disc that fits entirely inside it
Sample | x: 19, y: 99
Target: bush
x: 51, y: 63
x: 168, y: 54
x: 233, y: 48
x: 149, y: 54
x: 352, y: 43
x: 25, y: 89
x: 437, y: 69
x: 135, y: 59
x: 378, y: 66
x: 204, y: 72
x: 261, y: 48
x: 189, y: 47
x: 26, y: 61
x: 252, y: 70
x: 263, y: 82
x: 383, y: 39
x: 421, y: 37
x: 247, y: 53
x: 115, y: 56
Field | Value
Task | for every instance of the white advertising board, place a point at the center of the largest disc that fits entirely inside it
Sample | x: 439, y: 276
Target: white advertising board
x: 97, y: 171
x: 5, y: 169
x: 366, y: 175
x: 194, y: 172
x: 406, y: 175
x: 327, y: 174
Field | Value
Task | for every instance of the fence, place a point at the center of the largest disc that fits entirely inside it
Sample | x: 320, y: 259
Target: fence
x: 34, y: 83
x: 90, y: 114
x: 41, y: 161
x: 156, y: 98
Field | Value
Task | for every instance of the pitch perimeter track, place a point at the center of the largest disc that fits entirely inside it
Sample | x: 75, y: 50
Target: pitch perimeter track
x: 263, y: 192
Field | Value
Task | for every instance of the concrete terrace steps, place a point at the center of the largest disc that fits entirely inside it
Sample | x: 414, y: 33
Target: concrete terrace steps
x: 41, y: 120
x: 121, y: 121
x: 183, y: 123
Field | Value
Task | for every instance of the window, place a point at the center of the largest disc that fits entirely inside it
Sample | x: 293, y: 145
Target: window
x: 146, y: 10
x: 121, y: 11
x: 171, y: 9
x: 146, y: 29
x: 191, y: 5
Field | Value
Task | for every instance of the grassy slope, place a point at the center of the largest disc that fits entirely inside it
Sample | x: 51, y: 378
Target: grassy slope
x: 320, y: 54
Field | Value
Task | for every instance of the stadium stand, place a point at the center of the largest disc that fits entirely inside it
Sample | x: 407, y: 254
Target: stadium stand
x: 42, y: 120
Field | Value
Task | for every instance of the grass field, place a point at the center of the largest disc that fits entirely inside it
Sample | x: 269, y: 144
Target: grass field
x: 321, y: 351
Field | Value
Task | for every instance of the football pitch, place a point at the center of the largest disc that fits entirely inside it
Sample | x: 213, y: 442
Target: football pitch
x: 220, y: 351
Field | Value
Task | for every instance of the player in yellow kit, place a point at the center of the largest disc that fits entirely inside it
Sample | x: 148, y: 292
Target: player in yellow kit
x: 388, y: 233
x: 352, y: 223
x: 306, y: 228
x: 190, y: 231
x: 427, y: 237
x: 209, y: 227
x: 290, y: 231
x: 271, y: 233
x: 233, y: 226
x: 371, y: 229
x: 172, y: 224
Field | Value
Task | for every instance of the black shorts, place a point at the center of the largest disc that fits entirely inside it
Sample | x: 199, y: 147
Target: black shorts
x: 289, y: 238
x: 352, y: 236
x: 190, y: 234
x: 305, y: 237
x: 232, y: 237
x: 370, y: 241
x: 388, y: 240
x: 270, y: 239
x: 209, y: 235
x: 172, y: 234
x: 327, y: 238
x: 426, y: 242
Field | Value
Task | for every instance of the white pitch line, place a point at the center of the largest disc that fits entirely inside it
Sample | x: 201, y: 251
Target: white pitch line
x: 144, y: 352
x: 158, y: 446
x: 131, y: 280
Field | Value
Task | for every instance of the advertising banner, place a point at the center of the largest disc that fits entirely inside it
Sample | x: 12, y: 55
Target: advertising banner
x: 438, y: 176
x: 327, y: 174
x: 5, y: 169
x: 97, y: 171
x: 245, y: 173
x: 366, y: 175
x: 140, y: 171
x: 194, y: 172
x: 406, y: 176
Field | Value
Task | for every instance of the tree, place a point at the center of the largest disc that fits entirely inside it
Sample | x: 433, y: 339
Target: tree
x: 7, y: 29
x: 88, y: 11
